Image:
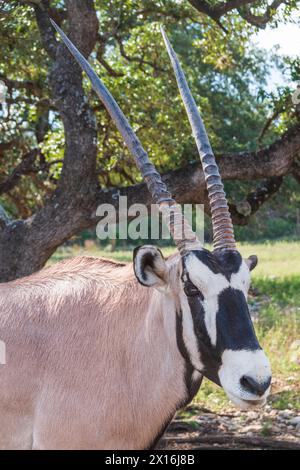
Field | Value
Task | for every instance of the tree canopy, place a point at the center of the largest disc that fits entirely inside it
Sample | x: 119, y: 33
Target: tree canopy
x: 227, y: 73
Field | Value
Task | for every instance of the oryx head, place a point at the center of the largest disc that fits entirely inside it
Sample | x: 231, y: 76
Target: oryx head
x: 212, y: 287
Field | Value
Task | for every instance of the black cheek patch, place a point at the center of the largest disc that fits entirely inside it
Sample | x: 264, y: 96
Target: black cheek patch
x: 235, y: 330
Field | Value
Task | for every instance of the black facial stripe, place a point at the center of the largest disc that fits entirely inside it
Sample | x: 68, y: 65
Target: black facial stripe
x: 198, y: 313
x: 234, y: 326
x: 229, y: 260
x: 189, y: 288
x: 209, y: 358
x: 224, y: 262
x: 208, y: 258
x: 179, y: 337
x: 192, y: 386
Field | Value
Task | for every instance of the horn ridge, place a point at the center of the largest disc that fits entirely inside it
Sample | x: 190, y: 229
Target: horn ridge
x: 171, y: 212
x: 223, y: 236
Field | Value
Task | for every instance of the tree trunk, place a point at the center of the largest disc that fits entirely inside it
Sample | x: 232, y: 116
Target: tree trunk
x: 26, y: 245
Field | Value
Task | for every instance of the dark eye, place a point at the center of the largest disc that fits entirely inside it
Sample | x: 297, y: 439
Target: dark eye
x: 191, y: 291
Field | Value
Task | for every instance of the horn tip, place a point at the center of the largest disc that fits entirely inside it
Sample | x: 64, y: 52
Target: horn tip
x: 55, y: 26
x: 164, y: 35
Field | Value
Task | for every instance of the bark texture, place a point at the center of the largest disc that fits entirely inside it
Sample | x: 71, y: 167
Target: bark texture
x: 26, y: 245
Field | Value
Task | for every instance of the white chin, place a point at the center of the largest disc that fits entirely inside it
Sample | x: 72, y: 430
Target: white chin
x: 246, y: 404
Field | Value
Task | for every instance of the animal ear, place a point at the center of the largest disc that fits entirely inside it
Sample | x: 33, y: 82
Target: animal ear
x: 251, y: 262
x: 149, y: 265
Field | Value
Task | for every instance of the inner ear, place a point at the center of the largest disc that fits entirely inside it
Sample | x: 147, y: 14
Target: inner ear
x: 251, y: 262
x: 149, y: 265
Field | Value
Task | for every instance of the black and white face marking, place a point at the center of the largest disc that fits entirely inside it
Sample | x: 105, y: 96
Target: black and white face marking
x: 217, y: 328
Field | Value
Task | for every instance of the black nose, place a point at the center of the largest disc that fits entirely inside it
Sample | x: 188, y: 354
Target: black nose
x: 252, y: 386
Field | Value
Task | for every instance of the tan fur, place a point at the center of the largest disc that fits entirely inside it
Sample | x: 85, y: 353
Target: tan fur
x: 92, y: 360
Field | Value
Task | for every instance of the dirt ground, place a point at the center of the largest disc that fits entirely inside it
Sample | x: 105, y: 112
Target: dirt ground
x: 262, y: 429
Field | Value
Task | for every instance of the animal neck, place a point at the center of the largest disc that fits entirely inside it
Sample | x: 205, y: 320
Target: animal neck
x: 161, y: 359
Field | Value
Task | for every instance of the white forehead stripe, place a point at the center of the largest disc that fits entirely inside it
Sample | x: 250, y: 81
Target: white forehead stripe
x: 204, y: 278
x: 210, y: 308
x: 211, y: 284
x: 241, y: 279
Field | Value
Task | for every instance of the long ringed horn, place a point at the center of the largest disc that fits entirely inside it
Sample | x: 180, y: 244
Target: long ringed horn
x: 223, y: 234
x: 181, y: 231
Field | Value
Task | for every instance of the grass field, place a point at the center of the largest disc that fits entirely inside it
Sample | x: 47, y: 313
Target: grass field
x: 275, y: 304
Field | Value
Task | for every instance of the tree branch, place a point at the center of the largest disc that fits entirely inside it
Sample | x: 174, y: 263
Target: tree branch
x: 261, y: 20
x: 4, y: 146
x: 104, y: 63
x: 245, y: 209
x: 296, y: 170
x: 137, y: 59
x: 268, y: 123
x: 217, y: 10
x: 187, y: 184
x: 32, y: 88
x: 4, y: 219
x: 27, y: 165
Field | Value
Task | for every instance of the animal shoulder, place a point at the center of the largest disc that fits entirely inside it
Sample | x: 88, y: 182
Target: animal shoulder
x: 78, y: 269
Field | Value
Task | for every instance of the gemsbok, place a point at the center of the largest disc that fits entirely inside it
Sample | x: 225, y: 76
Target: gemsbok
x: 100, y: 355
